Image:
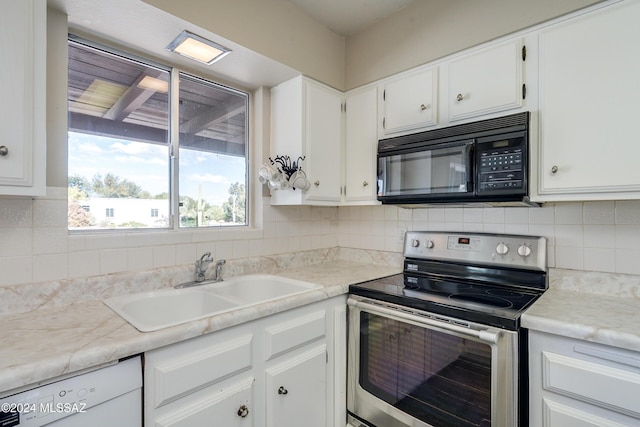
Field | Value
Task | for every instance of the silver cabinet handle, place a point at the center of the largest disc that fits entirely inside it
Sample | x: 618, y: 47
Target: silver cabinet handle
x: 459, y: 97
x: 243, y: 411
x: 554, y: 169
x: 423, y: 107
x: 365, y: 183
x: 3, y: 150
x: 282, y: 390
x: 317, y: 183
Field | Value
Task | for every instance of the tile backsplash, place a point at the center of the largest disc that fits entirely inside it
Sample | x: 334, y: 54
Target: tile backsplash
x: 35, y: 245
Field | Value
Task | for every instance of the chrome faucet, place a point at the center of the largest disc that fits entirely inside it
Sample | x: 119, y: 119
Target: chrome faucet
x: 219, y: 264
x: 201, y: 266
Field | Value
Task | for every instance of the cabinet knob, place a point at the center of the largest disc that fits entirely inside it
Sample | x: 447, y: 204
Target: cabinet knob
x: 365, y: 183
x: 459, y: 97
x: 243, y: 411
x: 423, y: 107
x: 3, y: 150
x: 282, y: 390
x: 317, y: 183
x: 554, y: 169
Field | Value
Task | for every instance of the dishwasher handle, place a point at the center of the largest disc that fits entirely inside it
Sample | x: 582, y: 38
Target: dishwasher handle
x: 483, y: 334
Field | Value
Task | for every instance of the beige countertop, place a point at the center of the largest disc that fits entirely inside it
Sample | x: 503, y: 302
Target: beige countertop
x: 597, y: 307
x: 50, y: 342
x: 55, y: 340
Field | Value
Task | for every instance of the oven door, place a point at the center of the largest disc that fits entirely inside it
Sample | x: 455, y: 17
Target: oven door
x: 428, y: 173
x: 411, y: 368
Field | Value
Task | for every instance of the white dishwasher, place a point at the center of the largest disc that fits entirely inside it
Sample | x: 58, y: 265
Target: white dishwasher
x: 109, y: 396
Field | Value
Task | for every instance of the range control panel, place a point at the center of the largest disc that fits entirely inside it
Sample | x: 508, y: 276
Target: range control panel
x: 507, y: 250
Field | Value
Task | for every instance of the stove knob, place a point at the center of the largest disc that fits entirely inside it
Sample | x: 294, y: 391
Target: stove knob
x: 429, y: 243
x: 502, y: 249
x: 415, y: 243
x: 524, y: 251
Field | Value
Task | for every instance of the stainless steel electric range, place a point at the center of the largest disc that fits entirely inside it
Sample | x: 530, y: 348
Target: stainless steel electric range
x: 440, y: 344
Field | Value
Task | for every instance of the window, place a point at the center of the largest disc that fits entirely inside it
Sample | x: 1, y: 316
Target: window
x: 134, y: 148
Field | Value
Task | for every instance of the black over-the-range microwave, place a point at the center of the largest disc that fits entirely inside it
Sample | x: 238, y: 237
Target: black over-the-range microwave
x: 484, y: 162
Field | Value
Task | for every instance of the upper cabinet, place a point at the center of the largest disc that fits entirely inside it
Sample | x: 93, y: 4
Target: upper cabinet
x: 589, y: 104
x: 472, y: 85
x: 486, y: 81
x: 360, y: 146
x: 23, y: 97
x: 409, y: 101
x: 308, y: 120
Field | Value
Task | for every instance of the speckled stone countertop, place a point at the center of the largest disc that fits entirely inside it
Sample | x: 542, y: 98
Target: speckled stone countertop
x: 55, y: 340
x: 597, y: 307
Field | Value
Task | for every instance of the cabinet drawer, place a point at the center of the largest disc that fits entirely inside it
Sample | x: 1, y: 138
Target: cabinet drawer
x: 596, y: 384
x: 294, y: 333
x: 557, y: 414
x: 229, y: 408
x: 188, y: 371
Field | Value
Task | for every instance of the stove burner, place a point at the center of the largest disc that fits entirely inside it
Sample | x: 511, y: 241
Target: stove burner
x: 438, y: 287
x: 447, y: 287
x: 505, y: 293
x: 482, y: 299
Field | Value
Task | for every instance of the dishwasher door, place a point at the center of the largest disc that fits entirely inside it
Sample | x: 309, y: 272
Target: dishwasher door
x: 110, y: 396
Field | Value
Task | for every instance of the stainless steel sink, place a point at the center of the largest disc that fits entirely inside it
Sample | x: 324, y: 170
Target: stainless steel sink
x: 151, y: 311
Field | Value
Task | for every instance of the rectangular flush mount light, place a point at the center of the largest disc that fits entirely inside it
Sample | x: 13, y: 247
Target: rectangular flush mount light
x: 197, y: 48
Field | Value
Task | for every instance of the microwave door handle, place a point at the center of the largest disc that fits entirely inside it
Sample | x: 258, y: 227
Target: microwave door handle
x: 469, y: 155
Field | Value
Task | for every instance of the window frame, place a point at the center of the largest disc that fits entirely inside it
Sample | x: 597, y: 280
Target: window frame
x: 174, y: 138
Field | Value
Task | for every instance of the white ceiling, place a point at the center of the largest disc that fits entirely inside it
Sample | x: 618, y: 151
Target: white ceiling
x: 347, y: 17
x: 148, y: 29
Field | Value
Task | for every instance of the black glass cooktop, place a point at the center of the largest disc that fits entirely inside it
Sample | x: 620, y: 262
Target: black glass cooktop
x: 481, y: 303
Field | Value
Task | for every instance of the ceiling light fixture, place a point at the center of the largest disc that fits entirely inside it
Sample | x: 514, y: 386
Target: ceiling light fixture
x: 198, y: 48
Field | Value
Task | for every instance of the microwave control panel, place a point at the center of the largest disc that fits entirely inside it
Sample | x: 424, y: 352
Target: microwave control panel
x: 501, y: 167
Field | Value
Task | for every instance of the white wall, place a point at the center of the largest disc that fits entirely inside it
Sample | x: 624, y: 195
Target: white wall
x: 36, y: 247
x: 274, y: 28
x: 428, y: 30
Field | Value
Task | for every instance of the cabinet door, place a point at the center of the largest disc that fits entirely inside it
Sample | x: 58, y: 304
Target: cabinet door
x: 230, y: 407
x: 297, y: 391
x: 589, y: 102
x: 22, y: 97
x: 323, y: 134
x: 487, y: 81
x: 410, y: 102
x: 361, y: 141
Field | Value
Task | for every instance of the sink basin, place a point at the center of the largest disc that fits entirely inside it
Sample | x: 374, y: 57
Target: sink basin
x: 258, y: 288
x: 150, y: 311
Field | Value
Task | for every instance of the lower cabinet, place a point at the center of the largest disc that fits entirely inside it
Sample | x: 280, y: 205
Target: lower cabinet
x: 295, y: 387
x: 277, y: 371
x: 575, y: 383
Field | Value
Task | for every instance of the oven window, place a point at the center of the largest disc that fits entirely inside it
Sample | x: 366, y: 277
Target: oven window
x: 436, y: 377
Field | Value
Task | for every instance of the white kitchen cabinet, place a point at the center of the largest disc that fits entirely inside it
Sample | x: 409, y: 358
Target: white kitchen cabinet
x: 485, y: 81
x: 232, y: 377
x: 576, y: 383
x: 23, y: 97
x: 296, y: 389
x: 589, y: 103
x: 409, y: 101
x: 306, y: 121
x: 361, y: 143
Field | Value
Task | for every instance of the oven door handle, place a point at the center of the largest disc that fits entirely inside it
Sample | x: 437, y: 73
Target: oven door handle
x: 483, y: 335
